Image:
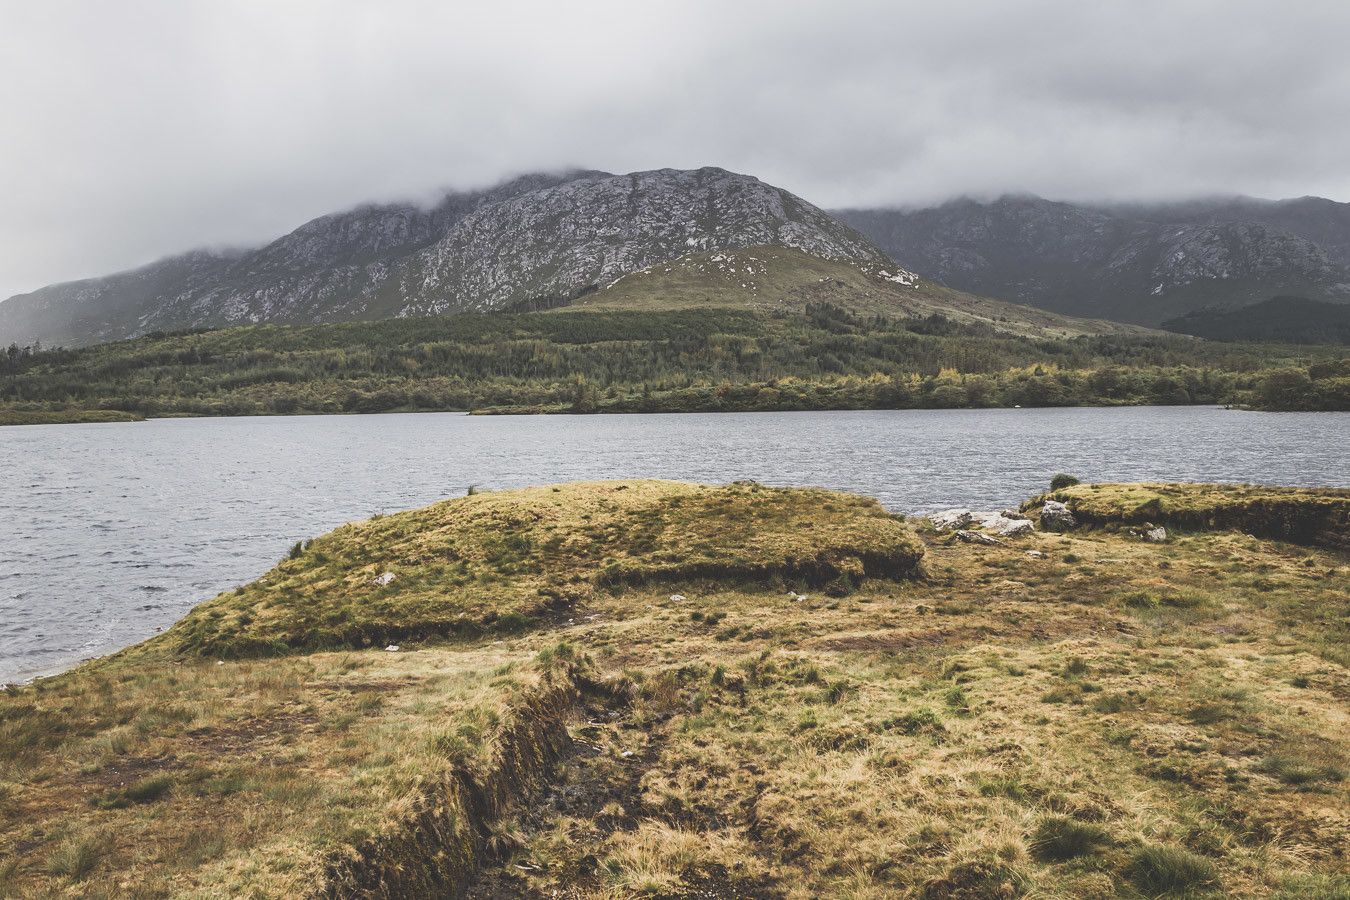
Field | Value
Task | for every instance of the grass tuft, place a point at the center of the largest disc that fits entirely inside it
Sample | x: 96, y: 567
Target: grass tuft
x: 77, y: 857
x: 1298, y: 772
x: 1159, y: 870
x: 1058, y: 838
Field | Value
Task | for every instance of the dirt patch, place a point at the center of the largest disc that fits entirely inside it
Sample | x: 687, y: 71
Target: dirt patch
x: 897, y: 641
x: 245, y: 735
x: 598, y: 791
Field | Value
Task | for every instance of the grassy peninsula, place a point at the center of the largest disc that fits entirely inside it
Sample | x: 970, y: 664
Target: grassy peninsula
x: 654, y: 689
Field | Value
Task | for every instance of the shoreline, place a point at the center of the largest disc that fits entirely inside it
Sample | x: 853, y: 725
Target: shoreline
x: 99, y: 417
x: 921, y: 517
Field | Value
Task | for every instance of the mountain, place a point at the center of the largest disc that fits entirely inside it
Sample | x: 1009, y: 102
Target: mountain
x: 1141, y: 264
x: 775, y: 279
x: 1290, y: 320
x: 537, y: 240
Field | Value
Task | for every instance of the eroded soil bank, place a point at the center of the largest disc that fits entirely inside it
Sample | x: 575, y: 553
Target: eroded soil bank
x: 649, y: 689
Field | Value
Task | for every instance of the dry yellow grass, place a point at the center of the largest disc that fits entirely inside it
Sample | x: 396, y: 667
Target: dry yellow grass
x: 1111, y: 718
x: 1302, y: 515
x: 501, y: 562
x: 772, y: 279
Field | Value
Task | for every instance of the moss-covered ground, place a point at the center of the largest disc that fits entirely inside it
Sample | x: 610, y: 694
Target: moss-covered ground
x: 1070, y: 715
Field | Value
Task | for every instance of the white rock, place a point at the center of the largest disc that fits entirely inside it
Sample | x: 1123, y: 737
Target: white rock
x: 1156, y: 535
x: 977, y: 537
x: 385, y: 578
x: 1002, y: 523
x: 1055, y: 516
x: 1035, y: 554
x: 677, y: 598
x: 950, y: 519
x: 392, y: 648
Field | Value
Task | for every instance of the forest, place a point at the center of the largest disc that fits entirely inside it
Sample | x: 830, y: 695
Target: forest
x: 710, y: 359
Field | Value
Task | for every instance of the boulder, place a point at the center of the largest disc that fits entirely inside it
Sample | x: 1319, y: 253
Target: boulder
x: 1156, y: 535
x: 978, y: 537
x: 951, y: 519
x: 1055, y: 516
x: 1004, y: 524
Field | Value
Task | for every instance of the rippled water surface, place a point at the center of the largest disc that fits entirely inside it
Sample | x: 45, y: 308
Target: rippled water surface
x: 110, y: 531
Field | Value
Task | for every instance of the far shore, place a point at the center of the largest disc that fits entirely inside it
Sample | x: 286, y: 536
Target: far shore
x: 104, y: 416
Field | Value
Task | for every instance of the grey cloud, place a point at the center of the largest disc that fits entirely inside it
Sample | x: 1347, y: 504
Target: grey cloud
x: 136, y: 129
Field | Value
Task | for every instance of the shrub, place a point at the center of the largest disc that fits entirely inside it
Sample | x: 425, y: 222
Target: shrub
x: 1061, y: 481
x: 1058, y: 838
x: 1170, y: 870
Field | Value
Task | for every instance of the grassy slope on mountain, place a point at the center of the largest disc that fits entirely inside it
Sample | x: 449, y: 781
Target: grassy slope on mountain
x: 777, y: 279
x: 1009, y: 725
x: 695, y: 358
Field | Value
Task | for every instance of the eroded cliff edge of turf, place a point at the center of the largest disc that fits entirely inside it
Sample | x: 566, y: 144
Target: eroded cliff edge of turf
x: 649, y: 688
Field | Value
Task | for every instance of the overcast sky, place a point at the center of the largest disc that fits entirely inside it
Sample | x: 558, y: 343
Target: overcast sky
x: 130, y: 130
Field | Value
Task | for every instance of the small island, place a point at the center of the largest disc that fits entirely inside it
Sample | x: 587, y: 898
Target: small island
x: 642, y: 688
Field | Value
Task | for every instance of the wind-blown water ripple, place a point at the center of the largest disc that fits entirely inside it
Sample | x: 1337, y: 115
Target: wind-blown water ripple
x: 110, y: 531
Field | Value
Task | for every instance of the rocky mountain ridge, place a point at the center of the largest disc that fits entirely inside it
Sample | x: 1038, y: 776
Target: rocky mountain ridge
x: 1141, y: 264
x: 536, y: 240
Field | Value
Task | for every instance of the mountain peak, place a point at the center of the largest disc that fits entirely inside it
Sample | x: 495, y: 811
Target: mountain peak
x: 535, y: 238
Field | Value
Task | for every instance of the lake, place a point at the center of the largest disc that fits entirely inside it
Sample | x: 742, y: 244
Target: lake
x: 108, y: 532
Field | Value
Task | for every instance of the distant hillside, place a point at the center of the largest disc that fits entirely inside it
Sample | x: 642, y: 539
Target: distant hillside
x: 1290, y: 320
x: 541, y: 240
x: 782, y: 279
x: 819, y: 355
x: 1142, y: 264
